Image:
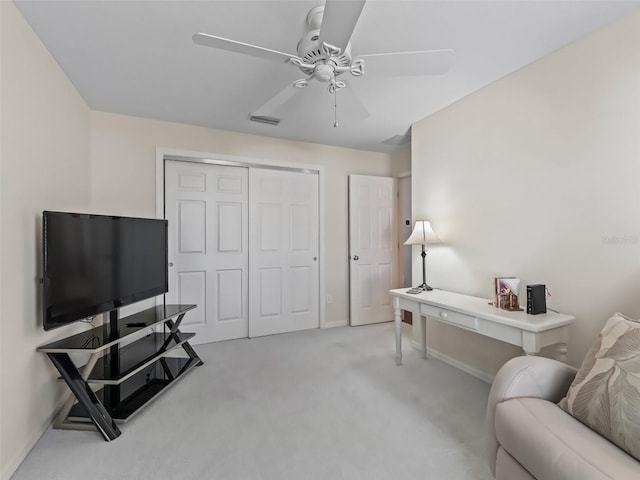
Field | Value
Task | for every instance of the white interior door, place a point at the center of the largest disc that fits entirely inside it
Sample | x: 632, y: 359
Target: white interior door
x: 206, y: 206
x: 373, y: 246
x: 283, y: 248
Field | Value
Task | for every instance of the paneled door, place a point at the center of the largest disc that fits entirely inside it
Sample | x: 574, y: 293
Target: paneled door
x: 373, y: 247
x: 206, y: 206
x: 283, y: 251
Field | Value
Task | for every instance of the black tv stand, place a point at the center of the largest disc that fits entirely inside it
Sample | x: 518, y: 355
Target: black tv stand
x: 131, y: 376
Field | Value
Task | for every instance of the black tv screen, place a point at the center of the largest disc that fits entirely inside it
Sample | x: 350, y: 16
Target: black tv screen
x: 96, y: 263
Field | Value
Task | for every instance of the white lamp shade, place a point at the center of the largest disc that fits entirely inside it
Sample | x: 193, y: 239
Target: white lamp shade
x: 422, y: 234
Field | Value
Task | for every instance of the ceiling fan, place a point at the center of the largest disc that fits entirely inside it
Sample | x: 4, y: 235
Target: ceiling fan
x: 324, y: 55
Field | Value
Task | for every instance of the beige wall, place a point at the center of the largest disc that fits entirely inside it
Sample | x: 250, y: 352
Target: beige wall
x: 401, y: 161
x: 123, y: 172
x: 45, y: 153
x: 536, y: 176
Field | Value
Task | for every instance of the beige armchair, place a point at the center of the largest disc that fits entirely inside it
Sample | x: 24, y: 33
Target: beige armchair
x: 530, y: 437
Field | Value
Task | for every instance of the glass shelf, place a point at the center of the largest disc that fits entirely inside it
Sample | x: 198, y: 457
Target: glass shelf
x: 124, y: 400
x: 132, y: 358
x: 99, y: 338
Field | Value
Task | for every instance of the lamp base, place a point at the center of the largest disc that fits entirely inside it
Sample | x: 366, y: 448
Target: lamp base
x: 419, y: 289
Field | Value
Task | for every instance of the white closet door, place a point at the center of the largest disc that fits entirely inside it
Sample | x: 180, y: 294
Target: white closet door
x: 283, y: 251
x: 373, y: 246
x: 206, y: 206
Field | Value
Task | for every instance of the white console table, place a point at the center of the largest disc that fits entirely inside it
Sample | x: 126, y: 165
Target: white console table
x: 531, y: 332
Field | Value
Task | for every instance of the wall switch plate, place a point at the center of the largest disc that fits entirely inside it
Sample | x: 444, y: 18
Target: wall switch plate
x: 329, y: 298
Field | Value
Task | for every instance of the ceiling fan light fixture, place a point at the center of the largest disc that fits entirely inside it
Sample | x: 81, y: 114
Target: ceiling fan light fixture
x: 324, y: 73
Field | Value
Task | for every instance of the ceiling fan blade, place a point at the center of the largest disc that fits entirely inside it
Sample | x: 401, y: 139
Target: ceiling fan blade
x: 239, y: 47
x: 339, y: 20
x: 427, y: 62
x: 350, y: 105
x: 278, y: 100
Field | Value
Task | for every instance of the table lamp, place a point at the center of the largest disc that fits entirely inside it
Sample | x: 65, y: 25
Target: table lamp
x: 422, y: 234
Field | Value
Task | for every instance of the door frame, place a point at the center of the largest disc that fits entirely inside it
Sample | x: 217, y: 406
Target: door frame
x: 401, y: 228
x: 407, y: 316
x: 164, y: 153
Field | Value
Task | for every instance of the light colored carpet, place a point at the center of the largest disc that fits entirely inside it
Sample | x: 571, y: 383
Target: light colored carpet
x: 320, y: 404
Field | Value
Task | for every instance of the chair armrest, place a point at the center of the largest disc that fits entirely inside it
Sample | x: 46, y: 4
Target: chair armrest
x: 530, y: 376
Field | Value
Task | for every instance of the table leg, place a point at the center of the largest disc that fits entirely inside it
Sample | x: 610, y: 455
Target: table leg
x: 563, y: 347
x: 562, y: 352
x: 423, y: 336
x: 531, y: 353
x: 398, y: 325
x: 531, y: 343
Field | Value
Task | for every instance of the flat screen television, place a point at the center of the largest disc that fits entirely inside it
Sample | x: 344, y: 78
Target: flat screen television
x: 97, y: 263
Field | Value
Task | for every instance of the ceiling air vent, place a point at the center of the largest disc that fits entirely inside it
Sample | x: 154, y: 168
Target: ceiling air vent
x: 268, y: 120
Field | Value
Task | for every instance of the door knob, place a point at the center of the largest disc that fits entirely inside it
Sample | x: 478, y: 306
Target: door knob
x: 171, y: 264
x: 315, y: 258
x: 356, y: 257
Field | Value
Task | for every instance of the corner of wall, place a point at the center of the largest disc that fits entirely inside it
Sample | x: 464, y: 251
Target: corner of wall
x: 45, y: 166
x: 401, y: 162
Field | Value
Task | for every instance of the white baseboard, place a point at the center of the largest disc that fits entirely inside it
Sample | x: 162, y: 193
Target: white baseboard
x: 474, y: 372
x: 335, y: 323
x: 11, y: 467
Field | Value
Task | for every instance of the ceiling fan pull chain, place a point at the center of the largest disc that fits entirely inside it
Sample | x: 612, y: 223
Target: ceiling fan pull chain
x: 335, y: 108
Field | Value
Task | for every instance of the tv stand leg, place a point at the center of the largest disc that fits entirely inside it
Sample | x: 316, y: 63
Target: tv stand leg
x: 174, y: 329
x: 81, y: 390
x: 66, y: 408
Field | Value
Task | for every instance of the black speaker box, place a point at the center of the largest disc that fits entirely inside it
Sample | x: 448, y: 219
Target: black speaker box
x: 536, y: 299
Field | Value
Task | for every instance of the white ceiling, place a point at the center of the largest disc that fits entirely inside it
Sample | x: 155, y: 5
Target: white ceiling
x: 137, y: 57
